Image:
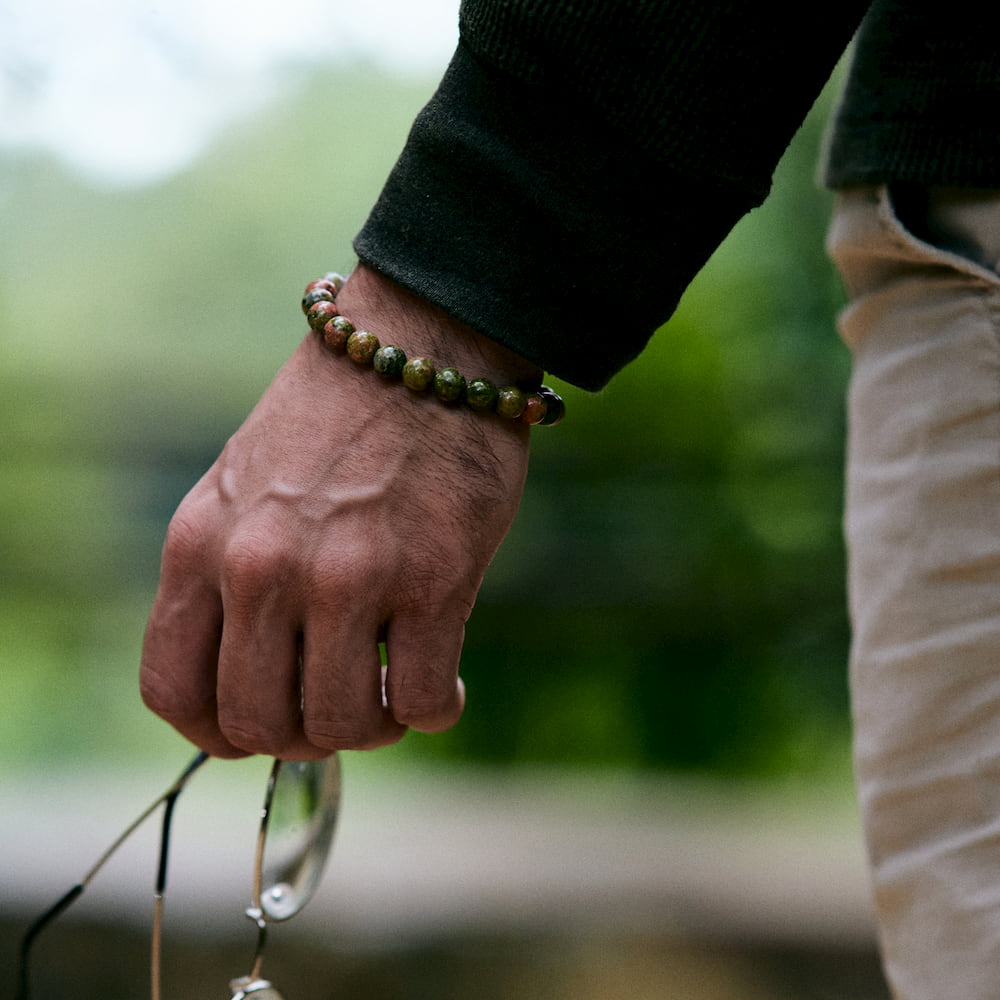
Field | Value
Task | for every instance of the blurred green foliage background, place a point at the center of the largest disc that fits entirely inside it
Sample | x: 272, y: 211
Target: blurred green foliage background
x: 672, y: 593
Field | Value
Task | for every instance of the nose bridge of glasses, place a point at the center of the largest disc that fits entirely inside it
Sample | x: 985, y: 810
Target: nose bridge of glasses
x: 258, y: 989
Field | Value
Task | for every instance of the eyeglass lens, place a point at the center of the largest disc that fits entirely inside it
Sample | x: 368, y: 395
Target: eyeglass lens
x: 297, y: 831
x: 298, y: 821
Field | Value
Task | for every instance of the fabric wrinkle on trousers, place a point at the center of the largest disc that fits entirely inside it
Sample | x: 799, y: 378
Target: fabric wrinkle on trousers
x: 922, y: 522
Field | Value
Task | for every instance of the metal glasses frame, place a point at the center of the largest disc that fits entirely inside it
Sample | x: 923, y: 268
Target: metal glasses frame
x: 259, y: 912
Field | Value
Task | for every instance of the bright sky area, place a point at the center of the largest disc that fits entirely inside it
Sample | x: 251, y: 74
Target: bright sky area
x: 128, y: 92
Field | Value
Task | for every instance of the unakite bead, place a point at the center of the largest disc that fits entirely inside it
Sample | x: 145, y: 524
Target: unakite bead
x: 320, y: 313
x: 418, y: 374
x: 510, y: 402
x: 318, y: 291
x: 322, y: 283
x: 534, y: 409
x: 481, y: 394
x: 361, y: 347
x: 336, y: 332
x: 449, y: 385
x: 389, y: 362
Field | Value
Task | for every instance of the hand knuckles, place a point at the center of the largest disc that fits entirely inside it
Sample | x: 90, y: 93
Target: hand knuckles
x: 255, y: 562
x: 186, y: 541
x: 431, y: 602
x: 330, y: 583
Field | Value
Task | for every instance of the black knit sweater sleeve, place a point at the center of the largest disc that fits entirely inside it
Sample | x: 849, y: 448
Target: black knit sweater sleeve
x: 921, y: 99
x: 582, y: 159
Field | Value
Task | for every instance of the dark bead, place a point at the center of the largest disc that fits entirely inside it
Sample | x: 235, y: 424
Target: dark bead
x: 335, y: 279
x: 336, y: 332
x: 320, y: 313
x: 510, y: 402
x: 555, y: 408
x: 418, y: 374
x: 361, y: 347
x: 319, y: 293
x: 389, y: 362
x: 481, y: 394
x: 449, y: 385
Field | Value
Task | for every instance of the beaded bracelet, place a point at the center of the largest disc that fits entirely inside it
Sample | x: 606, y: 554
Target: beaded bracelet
x: 536, y: 405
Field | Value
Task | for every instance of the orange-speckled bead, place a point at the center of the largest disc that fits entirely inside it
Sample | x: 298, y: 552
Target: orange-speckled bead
x: 336, y: 332
x: 361, y: 347
x: 320, y: 313
x: 534, y: 409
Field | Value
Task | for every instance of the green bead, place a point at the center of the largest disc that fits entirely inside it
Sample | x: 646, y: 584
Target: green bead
x: 510, y: 402
x: 418, y: 374
x: 449, y: 385
x: 481, y: 394
x: 361, y: 347
x: 389, y: 362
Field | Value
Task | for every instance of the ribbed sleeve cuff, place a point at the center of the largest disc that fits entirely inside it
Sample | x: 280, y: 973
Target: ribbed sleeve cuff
x: 518, y: 213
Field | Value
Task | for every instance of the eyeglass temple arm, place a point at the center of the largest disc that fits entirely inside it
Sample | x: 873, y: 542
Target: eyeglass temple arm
x: 35, y: 929
x: 169, y: 801
x: 168, y: 814
x: 56, y: 909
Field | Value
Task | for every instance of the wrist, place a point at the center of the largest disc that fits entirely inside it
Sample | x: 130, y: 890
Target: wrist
x: 369, y: 311
x: 375, y: 302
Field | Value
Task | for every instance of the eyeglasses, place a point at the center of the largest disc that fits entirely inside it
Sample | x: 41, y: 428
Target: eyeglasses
x: 297, y: 824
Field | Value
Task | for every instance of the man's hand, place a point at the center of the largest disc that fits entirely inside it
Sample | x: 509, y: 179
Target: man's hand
x: 344, y: 512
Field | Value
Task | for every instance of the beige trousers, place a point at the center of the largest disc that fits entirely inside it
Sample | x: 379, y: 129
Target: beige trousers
x: 923, y: 529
